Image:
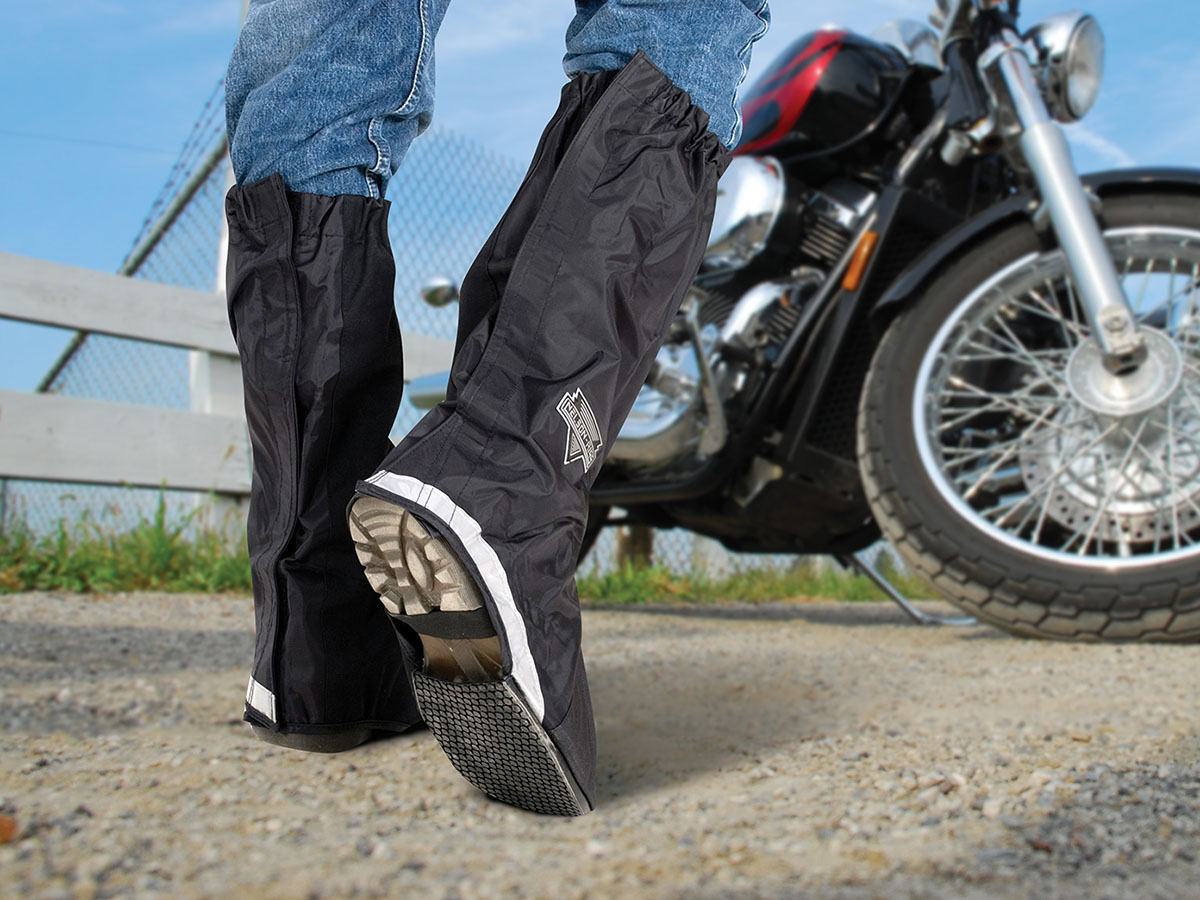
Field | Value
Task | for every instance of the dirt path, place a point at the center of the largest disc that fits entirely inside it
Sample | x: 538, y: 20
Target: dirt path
x: 812, y: 751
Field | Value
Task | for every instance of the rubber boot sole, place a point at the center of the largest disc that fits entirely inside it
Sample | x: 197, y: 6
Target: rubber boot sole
x: 334, y: 742
x: 483, y: 725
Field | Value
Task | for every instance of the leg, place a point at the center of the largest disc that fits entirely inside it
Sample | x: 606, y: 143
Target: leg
x: 471, y: 528
x: 703, y: 47
x: 330, y: 95
x: 322, y: 102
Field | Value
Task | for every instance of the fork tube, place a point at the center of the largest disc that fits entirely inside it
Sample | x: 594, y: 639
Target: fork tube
x: 1049, y: 157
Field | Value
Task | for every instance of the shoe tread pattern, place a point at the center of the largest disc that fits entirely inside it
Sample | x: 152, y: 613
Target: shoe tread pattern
x: 413, y: 570
x: 497, y: 745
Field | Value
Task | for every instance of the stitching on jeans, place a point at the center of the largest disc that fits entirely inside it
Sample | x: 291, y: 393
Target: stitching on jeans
x: 737, y: 110
x: 415, y: 91
x: 383, y: 156
x: 374, y: 131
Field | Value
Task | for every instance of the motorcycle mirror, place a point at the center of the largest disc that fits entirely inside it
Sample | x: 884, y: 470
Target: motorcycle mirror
x: 937, y: 15
x: 439, y: 291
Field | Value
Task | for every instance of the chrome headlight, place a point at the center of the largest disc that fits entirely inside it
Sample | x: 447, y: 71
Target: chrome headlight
x: 1069, y: 59
x: 749, y: 200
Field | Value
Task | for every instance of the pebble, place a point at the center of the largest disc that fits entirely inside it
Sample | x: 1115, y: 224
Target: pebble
x: 978, y: 760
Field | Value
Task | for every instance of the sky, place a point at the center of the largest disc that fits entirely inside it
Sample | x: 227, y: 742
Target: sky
x: 101, y: 95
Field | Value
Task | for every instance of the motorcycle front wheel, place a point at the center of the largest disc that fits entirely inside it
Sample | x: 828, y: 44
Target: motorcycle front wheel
x: 1035, y: 489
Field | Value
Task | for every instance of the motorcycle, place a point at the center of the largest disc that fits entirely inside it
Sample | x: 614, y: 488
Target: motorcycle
x: 914, y: 319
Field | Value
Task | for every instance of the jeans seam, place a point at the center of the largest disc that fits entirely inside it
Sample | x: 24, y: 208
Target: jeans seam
x: 737, y: 110
x: 383, y: 156
x: 414, y: 92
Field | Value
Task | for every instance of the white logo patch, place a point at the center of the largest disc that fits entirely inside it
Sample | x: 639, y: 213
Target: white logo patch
x: 583, y: 434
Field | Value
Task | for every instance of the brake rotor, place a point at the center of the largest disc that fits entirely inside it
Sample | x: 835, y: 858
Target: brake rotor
x: 1145, y: 475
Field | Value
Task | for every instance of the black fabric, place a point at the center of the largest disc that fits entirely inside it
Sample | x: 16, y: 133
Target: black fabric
x: 310, y: 288
x: 580, y: 290
x: 485, y: 281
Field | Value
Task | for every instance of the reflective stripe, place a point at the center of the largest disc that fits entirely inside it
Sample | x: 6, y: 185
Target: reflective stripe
x: 259, y: 698
x: 495, y: 579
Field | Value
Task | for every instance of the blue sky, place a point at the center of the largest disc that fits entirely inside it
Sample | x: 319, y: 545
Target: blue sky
x: 101, y: 94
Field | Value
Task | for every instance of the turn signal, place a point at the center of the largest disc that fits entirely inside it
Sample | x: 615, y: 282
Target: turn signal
x: 858, y: 265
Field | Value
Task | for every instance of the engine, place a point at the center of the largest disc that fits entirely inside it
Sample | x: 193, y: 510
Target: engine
x: 725, y: 323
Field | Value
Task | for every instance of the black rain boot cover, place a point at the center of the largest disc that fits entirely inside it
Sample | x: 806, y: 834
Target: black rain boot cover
x: 310, y: 289
x: 541, y: 385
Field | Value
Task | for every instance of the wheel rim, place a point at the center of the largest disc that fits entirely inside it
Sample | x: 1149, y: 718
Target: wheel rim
x: 1023, y: 435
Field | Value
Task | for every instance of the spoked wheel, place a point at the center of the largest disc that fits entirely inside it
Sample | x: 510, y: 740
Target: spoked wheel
x: 1038, y: 490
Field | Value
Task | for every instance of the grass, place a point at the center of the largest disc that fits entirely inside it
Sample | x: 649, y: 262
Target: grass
x: 157, y: 555
x: 756, y: 584
x: 152, y: 556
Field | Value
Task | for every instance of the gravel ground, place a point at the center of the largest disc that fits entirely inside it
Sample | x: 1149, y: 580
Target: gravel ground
x: 798, y: 750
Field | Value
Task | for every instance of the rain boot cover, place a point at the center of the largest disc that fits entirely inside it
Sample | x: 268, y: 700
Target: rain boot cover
x: 548, y: 372
x: 310, y: 289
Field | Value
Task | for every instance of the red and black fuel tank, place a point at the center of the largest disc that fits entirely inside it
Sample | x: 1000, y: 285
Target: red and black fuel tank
x: 825, y: 91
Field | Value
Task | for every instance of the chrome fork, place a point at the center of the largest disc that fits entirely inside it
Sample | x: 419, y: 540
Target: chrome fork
x: 1048, y: 155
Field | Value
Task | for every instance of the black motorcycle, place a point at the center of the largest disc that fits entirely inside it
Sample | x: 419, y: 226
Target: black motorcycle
x: 914, y: 318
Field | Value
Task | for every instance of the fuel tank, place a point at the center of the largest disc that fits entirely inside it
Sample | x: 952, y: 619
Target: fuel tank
x: 826, y: 91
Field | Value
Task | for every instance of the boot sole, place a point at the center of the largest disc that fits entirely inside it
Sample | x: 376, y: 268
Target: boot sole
x: 335, y: 742
x: 483, y: 726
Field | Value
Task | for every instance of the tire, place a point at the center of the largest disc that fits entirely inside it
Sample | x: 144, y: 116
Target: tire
x: 1029, y: 565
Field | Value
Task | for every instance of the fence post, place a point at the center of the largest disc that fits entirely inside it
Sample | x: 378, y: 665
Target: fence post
x: 215, y: 383
x: 635, y: 547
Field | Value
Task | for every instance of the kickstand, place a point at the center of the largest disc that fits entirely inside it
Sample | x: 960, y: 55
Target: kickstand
x: 857, y: 562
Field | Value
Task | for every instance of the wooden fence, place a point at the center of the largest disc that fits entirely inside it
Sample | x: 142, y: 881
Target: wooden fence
x: 69, y: 439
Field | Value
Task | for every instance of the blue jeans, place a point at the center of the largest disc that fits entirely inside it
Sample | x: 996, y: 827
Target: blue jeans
x: 330, y: 94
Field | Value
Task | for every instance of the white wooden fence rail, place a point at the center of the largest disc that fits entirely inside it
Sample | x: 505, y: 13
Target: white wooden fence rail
x: 53, y: 438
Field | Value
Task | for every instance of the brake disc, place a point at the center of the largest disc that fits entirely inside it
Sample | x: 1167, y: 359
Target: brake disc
x: 1144, y: 477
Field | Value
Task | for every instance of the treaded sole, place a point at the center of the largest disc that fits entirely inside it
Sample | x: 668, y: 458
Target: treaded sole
x: 496, y: 744
x: 413, y: 571
x: 482, y: 724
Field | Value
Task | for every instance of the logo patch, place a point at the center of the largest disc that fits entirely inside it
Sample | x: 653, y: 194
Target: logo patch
x: 583, y: 434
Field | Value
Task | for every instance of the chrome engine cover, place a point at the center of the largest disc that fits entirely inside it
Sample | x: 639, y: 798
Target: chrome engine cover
x: 669, y: 415
x: 664, y: 422
x: 749, y: 200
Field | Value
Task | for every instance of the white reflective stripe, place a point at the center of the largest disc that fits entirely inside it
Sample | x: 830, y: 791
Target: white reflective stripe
x: 259, y: 698
x: 495, y: 579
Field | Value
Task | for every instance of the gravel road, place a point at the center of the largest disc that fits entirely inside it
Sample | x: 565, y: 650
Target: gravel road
x: 793, y: 750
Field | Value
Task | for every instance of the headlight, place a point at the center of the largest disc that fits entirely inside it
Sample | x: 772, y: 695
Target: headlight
x: 1069, y: 59
x: 749, y: 198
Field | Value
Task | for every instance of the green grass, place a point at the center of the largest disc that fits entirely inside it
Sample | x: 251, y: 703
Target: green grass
x: 181, y: 556
x: 757, y: 584
x: 152, y: 556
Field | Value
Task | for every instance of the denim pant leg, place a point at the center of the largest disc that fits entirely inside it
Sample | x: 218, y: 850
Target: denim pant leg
x: 330, y: 94
x: 701, y: 45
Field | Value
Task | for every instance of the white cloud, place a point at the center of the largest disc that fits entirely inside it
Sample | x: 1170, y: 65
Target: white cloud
x: 197, y: 18
x: 491, y: 28
x: 1108, y: 150
x: 791, y: 20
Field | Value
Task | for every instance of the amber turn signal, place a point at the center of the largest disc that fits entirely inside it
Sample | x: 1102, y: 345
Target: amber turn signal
x: 858, y: 265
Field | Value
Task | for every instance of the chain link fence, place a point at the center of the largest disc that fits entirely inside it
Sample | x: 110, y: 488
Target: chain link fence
x: 445, y: 201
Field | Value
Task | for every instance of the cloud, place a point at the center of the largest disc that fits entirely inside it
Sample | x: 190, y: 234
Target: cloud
x: 501, y: 25
x: 198, y: 18
x: 1100, y: 145
x: 791, y: 20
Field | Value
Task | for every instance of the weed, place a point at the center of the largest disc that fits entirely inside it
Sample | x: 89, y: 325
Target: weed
x: 154, y: 555
x: 750, y: 584
x: 175, y: 554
